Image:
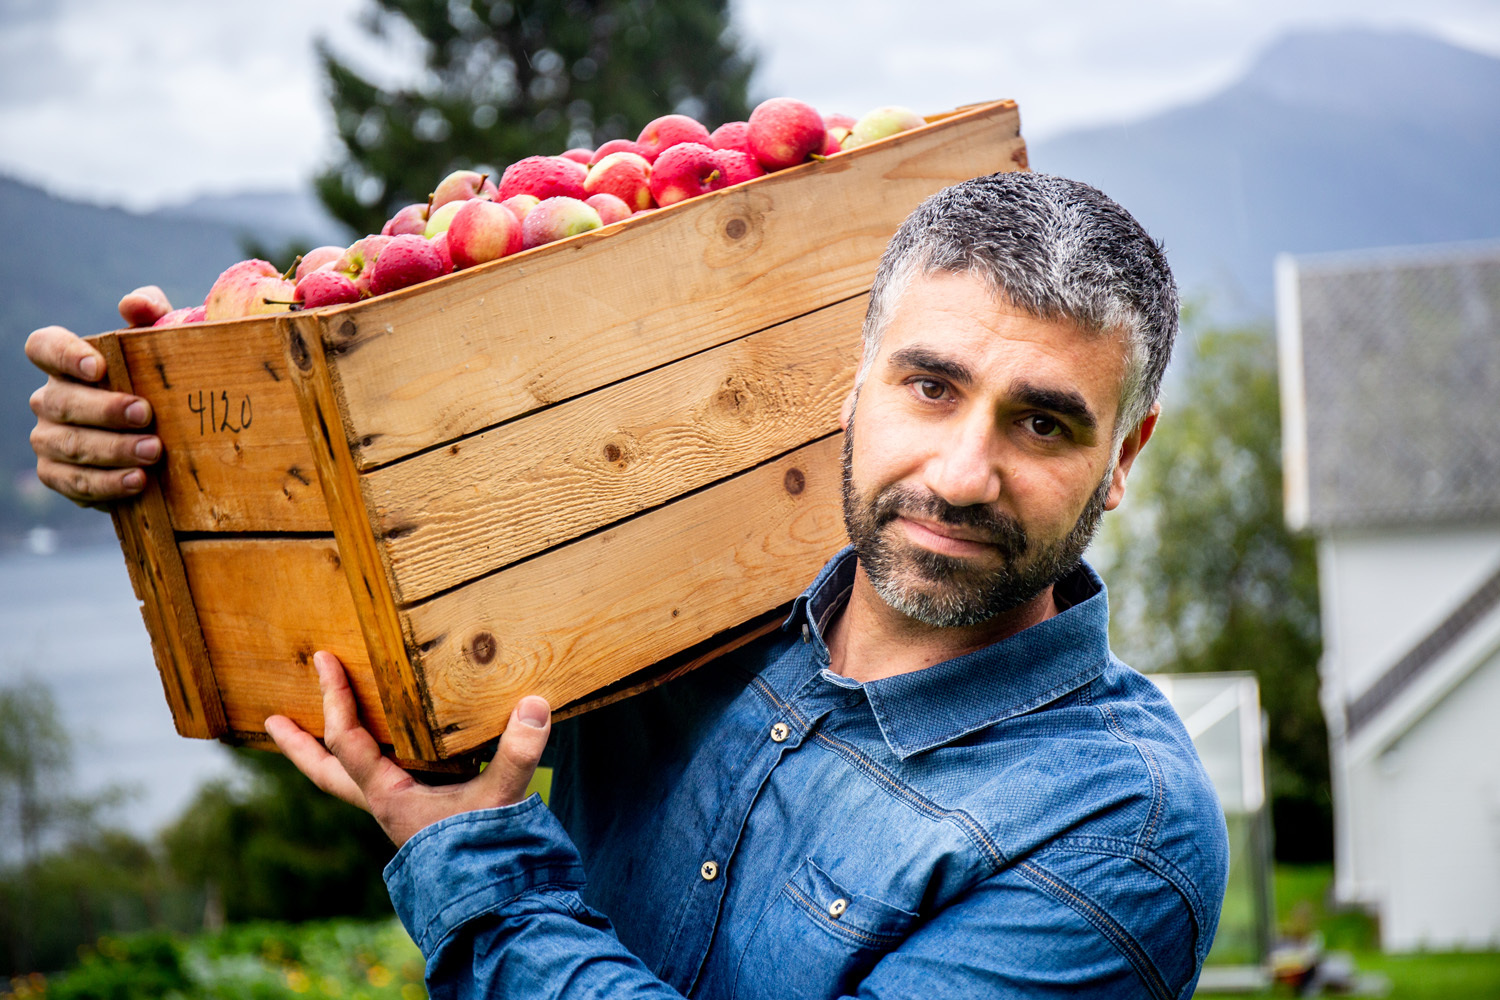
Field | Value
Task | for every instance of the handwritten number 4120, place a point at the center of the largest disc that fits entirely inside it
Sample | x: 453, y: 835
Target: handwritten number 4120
x: 216, y: 414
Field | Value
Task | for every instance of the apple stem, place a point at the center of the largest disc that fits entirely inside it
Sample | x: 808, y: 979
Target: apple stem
x: 287, y: 274
x: 713, y: 176
x: 819, y: 157
x: 294, y: 304
x: 428, y: 214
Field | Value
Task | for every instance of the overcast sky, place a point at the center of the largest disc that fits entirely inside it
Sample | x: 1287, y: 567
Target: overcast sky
x: 155, y: 101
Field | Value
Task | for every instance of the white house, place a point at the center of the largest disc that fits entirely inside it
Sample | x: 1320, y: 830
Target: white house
x: 1390, y: 379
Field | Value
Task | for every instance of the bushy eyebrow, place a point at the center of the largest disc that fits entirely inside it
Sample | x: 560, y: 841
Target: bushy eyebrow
x: 1063, y: 402
x: 923, y: 359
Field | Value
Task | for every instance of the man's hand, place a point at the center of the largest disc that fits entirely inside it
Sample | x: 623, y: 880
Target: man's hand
x: 84, y: 448
x: 356, y: 771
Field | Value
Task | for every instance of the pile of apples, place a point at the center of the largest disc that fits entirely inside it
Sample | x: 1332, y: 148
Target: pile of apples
x: 469, y: 219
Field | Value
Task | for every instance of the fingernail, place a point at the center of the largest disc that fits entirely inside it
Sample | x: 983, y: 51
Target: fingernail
x: 137, y: 413
x: 148, y: 448
x: 134, y: 479
x: 534, y: 711
x: 89, y: 367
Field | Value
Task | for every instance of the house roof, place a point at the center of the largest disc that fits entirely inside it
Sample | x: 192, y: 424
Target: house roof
x: 1390, y: 365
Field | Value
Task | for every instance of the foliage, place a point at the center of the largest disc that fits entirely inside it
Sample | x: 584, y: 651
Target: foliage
x: 503, y: 80
x: 275, y: 847
x: 358, y: 960
x: 1204, y: 575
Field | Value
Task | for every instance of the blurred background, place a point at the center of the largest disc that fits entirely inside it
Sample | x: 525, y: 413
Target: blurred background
x: 1318, y: 517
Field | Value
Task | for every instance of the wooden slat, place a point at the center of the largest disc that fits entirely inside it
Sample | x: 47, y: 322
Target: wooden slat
x: 429, y: 364
x: 364, y: 571
x: 448, y: 515
x: 266, y: 605
x: 156, y: 574
x: 236, y: 456
x: 571, y: 620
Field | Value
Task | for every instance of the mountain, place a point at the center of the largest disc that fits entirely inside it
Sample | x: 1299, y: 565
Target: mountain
x: 1331, y: 140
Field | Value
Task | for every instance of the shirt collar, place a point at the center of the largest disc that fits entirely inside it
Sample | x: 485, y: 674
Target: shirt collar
x: 927, y: 708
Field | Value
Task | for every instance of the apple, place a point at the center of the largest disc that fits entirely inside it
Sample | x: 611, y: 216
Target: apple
x: 521, y: 204
x: 461, y: 185
x: 441, y: 218
x: 556, y: 219
x: 440, y: 244
x: 684, y: 171
x: 544, y: 177
x: 177, y: 317
x: 584, y: 156
x: 618, y: 146
x: 411, y: 219
x: 731, y: 135
x: 357, y: 261
x: 482, y: 231
x: 144, y: 306
x: 838, y: 127
x: 316, y: 258
x: 610, y: 207
x: 737, y: 166
x: 667, y: 131
x: 880, y: 123
x: 325, y: 287
x: 249, y: 288
x: 627, y: 176
x: 784, y: 131
x: 408, y: 259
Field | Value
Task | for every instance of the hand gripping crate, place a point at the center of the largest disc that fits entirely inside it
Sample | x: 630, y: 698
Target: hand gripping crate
x: 573, y: 472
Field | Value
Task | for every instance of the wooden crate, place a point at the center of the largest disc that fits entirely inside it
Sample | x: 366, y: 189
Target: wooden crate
x: 572, y: 472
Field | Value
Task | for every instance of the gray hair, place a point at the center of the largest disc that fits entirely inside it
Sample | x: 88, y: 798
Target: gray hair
x: 1055, y: 248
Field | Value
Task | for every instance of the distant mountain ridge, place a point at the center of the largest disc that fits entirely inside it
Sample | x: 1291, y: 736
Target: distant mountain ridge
x: 1332, y: 140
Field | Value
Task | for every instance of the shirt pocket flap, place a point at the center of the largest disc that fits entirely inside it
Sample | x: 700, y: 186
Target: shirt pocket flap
x: 852, y: 916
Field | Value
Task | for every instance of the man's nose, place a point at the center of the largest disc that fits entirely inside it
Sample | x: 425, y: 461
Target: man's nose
x: 964, y: 470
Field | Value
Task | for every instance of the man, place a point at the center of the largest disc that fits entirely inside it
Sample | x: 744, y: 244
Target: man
x: 935, y: 780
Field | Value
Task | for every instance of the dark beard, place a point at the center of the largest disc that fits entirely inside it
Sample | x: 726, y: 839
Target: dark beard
x: 945, y: 591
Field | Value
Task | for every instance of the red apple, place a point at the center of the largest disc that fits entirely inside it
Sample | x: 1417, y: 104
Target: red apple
x: 482, y: 231
x: 249, y: 288
x: 610, y: 208
x: 325, y: 287
x: 440, y: 244
x: 408, y: 259
x: 584, y: 156
x: 684, y: 171
x: 521, y: 204
x: 731, y: 135
x: 737, y: 166
x: 144, y: 306
x: 359, y: 259
x: 668, y: 131
x: 618, y: 146
x: 627, y: 176
x: 316, y: 258
x: 411, y: 219
x: 556, y: 219
x: 545, y: 177
x: 187, y: 314
x: 784, y: 131
x: 461, y: 185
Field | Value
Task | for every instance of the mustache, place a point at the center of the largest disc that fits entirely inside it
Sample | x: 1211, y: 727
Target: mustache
x: 1000, y: 530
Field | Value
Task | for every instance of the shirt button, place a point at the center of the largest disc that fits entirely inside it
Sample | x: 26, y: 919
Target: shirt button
x: 780, y: 732
x: 709, y: 871
x: 837, y: 907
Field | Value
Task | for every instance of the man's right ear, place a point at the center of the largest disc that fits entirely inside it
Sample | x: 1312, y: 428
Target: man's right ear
x: 846, y: 412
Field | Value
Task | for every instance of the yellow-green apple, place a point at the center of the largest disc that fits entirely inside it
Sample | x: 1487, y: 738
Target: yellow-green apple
x: 667, y: 131
x: 684, y: 171
x: 545, y: 177
x: 249, y: 288
x: 555, y: 219
x: 144, y: 306
x: 461, y: 185
x: 409, y: 259
x: 838, y: 127
x: 325, y: 287
x: 783, y: 131
x: 880, y: 123
x: 441, y: 218
x: 482, y: 231
x: 627, y: 176
x: 610, y: 208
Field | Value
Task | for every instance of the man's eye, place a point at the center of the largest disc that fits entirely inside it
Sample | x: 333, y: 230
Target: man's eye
x: 1045, y: 427
x: 931, y: 389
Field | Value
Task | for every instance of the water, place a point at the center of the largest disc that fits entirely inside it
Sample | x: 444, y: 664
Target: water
x: 69, y: 619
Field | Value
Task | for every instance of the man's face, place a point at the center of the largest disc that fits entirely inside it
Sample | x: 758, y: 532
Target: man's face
x: 980, y: 458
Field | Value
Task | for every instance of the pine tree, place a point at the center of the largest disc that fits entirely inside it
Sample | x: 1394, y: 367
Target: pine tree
x: 504, y: 80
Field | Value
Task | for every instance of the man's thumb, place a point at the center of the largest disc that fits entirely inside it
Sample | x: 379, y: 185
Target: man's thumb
x: 520, y: 749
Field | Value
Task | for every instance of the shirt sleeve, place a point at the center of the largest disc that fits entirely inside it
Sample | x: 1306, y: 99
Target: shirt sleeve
x: 493, y: 900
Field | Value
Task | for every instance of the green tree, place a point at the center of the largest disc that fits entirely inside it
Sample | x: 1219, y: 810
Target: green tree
x: 1205, y: 576
x: 503, y: 80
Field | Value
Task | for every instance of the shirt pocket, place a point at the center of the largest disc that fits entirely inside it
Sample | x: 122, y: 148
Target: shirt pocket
x: 817, y: 938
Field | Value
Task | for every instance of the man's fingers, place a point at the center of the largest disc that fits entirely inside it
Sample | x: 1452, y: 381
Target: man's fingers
x: 349, y: 741
x: 67, y: 402
x: 322, y: 767
x: 87, y: 446
x: 85, y: 485
x: 519, y: 752
x: 57, y: 351
x: 144, y: 306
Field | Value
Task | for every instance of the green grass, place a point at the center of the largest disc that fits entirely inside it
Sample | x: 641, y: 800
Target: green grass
x: 1302, y: 894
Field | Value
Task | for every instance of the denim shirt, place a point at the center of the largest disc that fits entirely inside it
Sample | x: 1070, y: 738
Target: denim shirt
x: 1028, y: 820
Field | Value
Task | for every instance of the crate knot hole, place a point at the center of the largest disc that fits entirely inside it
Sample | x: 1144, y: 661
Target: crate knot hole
x: 619, y: 450
x: 794, y: 481
x: 483, y: 648
x: 736, y: 228
x: 298, y: 348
